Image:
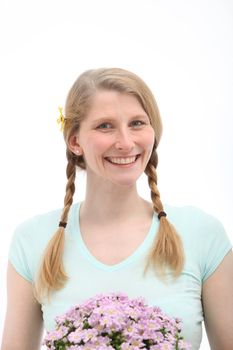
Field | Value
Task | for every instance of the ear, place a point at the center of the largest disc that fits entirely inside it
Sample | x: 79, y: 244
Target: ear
x: 74, y: 145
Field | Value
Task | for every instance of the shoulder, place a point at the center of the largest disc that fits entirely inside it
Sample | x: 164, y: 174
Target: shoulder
x: 38, y: 226
x: 35, y: 232
x: 200, y: 231
x: 194, y: 219
x: 32, y: 235
x: 204, y: 237
x: 189, y: 211
x: 41, y: 226
x: 30, y: 239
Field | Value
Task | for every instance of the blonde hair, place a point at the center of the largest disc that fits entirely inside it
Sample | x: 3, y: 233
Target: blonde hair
x: 167, y: 250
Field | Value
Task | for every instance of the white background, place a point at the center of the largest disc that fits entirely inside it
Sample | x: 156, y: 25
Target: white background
x: 184, y: 51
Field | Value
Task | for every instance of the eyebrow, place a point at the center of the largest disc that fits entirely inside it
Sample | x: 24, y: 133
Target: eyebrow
x: 111, y: 119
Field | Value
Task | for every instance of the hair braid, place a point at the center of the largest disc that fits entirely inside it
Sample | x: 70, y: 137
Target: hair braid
x: 167, y: 250
x: 70, y: 186
x: 52, y: 275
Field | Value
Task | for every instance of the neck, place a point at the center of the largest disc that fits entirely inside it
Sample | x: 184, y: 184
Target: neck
x: 107, y: 202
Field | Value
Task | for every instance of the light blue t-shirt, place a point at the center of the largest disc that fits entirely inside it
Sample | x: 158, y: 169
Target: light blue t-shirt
x: 205, y: 245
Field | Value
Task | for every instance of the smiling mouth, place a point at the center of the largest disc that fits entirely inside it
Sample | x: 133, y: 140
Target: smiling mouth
x: 121, y: 160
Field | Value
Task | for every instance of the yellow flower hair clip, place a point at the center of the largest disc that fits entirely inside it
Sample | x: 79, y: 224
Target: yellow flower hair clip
x: 61, y: 119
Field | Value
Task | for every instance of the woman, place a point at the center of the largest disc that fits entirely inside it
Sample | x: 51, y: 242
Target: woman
x: 179, y: 259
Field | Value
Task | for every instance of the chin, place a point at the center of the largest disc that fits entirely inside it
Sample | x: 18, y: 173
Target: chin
x: 125, y: 182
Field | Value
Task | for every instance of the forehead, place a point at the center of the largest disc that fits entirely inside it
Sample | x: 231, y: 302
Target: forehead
x: 110, y: 103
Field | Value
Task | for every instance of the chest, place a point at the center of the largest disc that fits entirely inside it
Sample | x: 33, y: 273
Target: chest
x: 113, y: 244
x: 180, y: 299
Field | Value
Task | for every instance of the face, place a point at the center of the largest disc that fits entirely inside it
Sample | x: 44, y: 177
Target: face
x: 115, y: 138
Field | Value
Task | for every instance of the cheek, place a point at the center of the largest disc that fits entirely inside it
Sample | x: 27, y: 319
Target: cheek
x: 97, y: 144
x: 148, y: 138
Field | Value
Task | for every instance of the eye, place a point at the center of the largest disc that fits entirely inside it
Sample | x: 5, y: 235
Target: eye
x: 104, y: 126
x: 137, y: 123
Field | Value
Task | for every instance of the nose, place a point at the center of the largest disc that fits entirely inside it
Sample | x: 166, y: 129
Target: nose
x: 124, y: 141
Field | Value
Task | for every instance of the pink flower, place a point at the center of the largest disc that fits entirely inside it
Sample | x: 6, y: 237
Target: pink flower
x: 113, y: 321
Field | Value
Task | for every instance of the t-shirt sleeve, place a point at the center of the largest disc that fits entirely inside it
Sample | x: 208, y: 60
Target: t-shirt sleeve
x: 21, y: 251
x: 29, y: 242
x: 215, y: 245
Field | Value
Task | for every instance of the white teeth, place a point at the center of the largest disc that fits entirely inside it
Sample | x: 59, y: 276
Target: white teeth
x: 128, y: 160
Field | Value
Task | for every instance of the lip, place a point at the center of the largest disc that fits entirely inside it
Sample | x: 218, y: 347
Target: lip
x: 119, y: 160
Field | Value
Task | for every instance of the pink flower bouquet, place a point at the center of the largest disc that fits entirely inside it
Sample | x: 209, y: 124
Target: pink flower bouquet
x: 114, y: 321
